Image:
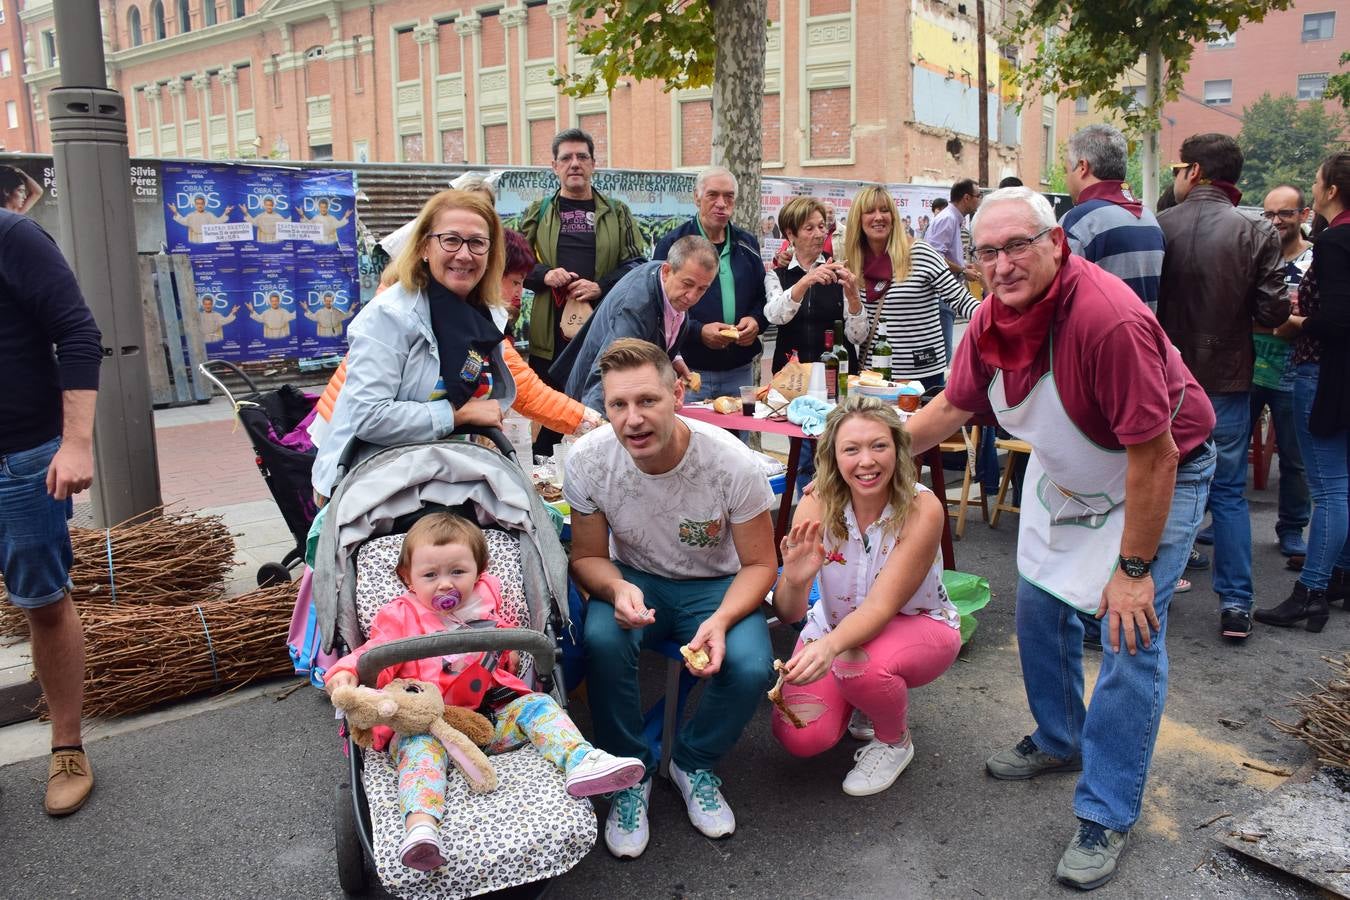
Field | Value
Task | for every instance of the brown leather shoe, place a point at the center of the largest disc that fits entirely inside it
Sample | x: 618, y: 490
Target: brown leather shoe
x: 69, y: 781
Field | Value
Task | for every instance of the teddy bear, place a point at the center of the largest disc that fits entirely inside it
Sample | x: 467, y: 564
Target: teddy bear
x: 416, y: 707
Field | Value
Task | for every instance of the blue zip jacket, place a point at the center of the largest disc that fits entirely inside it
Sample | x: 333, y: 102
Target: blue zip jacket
x: 747, y: 268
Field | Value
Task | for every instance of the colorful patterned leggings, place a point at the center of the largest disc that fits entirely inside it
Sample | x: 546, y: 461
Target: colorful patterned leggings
x: 529, y: 719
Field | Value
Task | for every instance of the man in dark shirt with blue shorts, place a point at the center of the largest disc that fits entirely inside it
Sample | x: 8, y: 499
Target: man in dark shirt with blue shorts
x: 46, y: 457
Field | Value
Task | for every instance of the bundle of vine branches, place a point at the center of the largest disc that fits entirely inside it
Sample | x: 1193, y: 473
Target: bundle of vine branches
x: 158, y: 557
x: 1325, y: 724
x: 137, y: 656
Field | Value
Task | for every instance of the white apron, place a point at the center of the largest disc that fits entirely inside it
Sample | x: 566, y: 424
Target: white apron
x: 1073, y: 498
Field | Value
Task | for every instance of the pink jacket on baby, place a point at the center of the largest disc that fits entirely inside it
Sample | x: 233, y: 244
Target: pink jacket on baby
x: 405, y: 617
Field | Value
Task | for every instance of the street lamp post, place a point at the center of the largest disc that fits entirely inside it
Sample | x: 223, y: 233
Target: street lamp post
x: 89, y: 149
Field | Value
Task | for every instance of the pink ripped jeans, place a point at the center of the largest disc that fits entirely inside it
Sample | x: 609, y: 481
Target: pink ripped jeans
x: 875, y: 678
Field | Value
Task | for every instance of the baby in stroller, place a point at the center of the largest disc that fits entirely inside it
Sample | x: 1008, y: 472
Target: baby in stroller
x: 443, y: 563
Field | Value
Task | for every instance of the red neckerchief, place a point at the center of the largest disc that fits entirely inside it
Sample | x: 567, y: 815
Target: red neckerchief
x: 1229, y: 190
x: 876, y: 273
x: 1342, y: 218
x: 1112, y: 192
x: 1011, y: 340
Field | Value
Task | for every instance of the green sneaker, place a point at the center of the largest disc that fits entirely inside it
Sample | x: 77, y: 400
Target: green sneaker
x: 1090, y: 860
x: 1027, y: 761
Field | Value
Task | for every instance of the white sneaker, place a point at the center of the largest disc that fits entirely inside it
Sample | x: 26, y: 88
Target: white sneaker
x: 626, y: 829
x: 877, y: 766
x: 707, y: 808
x: 421, y: 849
x: 600, y: 773
x: 860, y: 726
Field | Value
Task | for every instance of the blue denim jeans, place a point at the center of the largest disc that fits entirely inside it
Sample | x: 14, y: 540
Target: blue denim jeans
x: 948, y: 318
x: 35, y: 554
x: 1115, y: 734
x: 722, y: 384
x: 1328, y: 462
x: 1228, y: 501
x: 730, y: 698
x: 1295, y: 505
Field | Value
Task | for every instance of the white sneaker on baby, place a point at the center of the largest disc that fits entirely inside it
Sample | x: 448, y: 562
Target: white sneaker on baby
x: 421, y: 848
x: 876, y: 767
x: 600, y: 773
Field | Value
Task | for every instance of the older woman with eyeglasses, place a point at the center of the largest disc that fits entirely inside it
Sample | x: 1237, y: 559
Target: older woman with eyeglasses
x: 425, y: 357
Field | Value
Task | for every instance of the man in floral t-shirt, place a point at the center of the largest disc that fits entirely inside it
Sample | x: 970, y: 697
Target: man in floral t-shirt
x: 673, y: 541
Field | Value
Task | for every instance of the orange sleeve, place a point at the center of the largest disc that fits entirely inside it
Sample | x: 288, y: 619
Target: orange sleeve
x: 539, y: 402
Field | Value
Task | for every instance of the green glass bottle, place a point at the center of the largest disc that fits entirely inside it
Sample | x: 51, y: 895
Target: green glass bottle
x: 881, y: 353
x: 831, y: 364
x: 841, y: 353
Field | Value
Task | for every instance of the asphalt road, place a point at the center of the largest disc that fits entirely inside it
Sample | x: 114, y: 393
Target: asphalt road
x: 237, y: 802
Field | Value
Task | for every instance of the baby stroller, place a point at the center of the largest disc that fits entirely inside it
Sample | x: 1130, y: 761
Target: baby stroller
x: 268, y: 417
x: 529, y: 829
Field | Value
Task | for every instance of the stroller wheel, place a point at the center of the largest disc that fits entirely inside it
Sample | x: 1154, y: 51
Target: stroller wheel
x: 273, y: 573
x: 351, y: 861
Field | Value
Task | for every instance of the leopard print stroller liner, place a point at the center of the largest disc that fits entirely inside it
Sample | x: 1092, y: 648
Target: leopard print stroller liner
x: 529, y: 829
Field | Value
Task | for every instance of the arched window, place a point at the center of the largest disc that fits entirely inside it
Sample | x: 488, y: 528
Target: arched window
x: 184, y: 17
x: 238, y: 6
x: 208, y: 12
x: 157, y: 19
x: 134, y: 26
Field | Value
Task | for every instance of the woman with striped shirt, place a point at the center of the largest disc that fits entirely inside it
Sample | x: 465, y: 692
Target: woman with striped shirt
x: 908, y: 280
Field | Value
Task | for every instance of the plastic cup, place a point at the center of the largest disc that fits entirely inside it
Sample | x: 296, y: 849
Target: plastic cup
x: 748, y: 392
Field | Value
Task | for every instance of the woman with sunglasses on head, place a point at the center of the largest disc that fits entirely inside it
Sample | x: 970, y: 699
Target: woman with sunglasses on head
x: 425, y: 357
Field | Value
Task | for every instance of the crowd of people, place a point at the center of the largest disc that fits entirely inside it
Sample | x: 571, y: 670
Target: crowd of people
x: 1133, y: 353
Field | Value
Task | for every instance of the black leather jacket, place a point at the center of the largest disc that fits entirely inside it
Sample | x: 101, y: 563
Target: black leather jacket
x: 1222, y: 273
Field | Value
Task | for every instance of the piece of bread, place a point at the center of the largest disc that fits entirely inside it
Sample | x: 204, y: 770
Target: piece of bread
x: 727, y: 406
x: 871, y: 379
x: 695, y: 381
x: 697, y: 659
x: 730, y: 333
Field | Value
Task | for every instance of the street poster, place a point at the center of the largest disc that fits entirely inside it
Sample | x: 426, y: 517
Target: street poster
x: 325, y: 201
x: 198, y: 195
x: 268, y: 284
x: 222, y: 306
x: 324, y: 291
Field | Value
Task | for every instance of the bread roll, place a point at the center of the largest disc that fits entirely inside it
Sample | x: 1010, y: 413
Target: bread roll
x: 727, y: 405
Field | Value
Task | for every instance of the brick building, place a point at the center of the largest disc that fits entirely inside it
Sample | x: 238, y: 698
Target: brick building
x: 16, y: 123
x: 1293, y: 51
x: 865, y: 89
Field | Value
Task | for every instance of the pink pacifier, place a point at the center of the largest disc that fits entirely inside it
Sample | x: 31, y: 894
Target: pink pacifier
x: 448, y: 601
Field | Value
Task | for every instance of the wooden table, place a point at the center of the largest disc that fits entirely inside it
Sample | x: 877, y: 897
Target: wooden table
x: 737, y: 422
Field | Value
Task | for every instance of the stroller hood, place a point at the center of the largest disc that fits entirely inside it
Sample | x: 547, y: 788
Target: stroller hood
x: 403, y: 479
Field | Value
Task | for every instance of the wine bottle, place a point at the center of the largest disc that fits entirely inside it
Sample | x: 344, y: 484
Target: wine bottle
x: 881, y: 353
x: 831, y: 364
x: 841, y: 352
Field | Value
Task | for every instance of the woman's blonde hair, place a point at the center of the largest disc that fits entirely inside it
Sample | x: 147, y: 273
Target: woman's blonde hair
x: 874, y: 198
x: 832, y: 492
x: 413, y: 273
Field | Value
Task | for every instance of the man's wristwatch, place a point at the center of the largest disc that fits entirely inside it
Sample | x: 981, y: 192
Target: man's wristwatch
x: 1136, y: 566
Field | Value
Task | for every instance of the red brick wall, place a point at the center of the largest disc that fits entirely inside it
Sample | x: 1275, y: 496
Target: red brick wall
x: 773, y: 128
x: 495, y: 144
x: 775, y: 13
x: 406, y: 49
x: 830, y: 129
x: 219, y: 104
x: 541, y: 141
x: 316, y: 77
x: 447, y: 49
x: 494, y: 44
x: 539, y: 34
x: 414, y: 150
x: 452, y: 146
x: 244, y: 89
x: 695, y: 132
x: 168, y: 107
x: 190, y: 102
x: 829, y: 7
x: 595, y: 125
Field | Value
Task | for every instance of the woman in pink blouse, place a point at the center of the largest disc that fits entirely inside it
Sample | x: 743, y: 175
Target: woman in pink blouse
x: 883, y: 624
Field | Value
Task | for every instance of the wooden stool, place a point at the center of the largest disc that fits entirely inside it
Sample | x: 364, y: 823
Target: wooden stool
x: 967, y: 441
x: 1013, y: 447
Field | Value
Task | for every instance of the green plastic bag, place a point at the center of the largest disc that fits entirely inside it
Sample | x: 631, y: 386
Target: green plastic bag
x: 969, y: 594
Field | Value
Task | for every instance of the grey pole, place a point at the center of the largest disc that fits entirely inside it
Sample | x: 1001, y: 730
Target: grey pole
x: 89, y: 148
